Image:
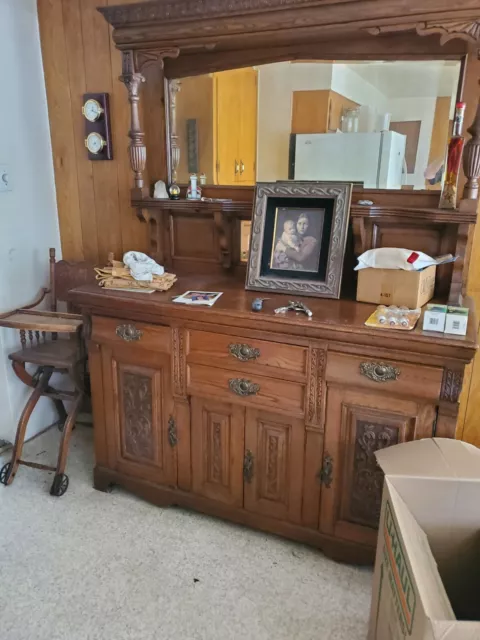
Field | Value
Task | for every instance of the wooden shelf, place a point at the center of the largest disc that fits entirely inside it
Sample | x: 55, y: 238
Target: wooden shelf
x: 445, y: 216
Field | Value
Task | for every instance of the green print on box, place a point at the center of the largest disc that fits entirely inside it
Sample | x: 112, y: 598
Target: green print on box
x: 398, y: 573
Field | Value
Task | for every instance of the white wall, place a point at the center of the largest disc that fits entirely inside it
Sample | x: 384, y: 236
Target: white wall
x: 347, y: 82
x: 28, y: 214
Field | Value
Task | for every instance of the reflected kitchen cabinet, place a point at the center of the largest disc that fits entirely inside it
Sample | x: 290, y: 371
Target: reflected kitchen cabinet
x: 236, y: 126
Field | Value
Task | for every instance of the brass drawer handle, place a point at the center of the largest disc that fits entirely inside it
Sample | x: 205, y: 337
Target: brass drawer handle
x: 244, y: 352
x: 248, y: 466
x: 243, y: 387
x: 128, y: 332
x: 379, y: 372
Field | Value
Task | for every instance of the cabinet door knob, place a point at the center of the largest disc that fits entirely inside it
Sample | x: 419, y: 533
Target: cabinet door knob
x: 237, y: 167
x: 248, y: 464
x: 244, y: 352
x: 128, y: 332
x: 379, y: 371
x: 242, y: 167
x: 325, y: 475
x: 243, y: 387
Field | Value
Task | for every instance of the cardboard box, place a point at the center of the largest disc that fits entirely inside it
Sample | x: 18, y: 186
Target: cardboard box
x: 457, y: 321
x: 435, y: 317
x: 427, y: 571
x: 412, y: 289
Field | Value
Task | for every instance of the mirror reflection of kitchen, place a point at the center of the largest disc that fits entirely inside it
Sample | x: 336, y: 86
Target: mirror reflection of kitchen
x: 385, y: 125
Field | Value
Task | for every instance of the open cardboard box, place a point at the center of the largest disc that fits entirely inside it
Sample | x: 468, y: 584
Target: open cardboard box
x: 427, y: 570
x: 412, y: 289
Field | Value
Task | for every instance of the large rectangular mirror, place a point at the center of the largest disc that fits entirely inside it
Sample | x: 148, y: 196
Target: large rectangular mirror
x: 382, y: 124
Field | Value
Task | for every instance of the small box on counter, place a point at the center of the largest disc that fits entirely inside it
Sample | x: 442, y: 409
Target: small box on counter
x: 435, y: 317
x: 411, y: 289
x: 427, y: 570
x: 456, y: 321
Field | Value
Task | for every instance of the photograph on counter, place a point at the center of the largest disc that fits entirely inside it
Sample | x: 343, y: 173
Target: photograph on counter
x: 207, y: 298
x: 298, y: 238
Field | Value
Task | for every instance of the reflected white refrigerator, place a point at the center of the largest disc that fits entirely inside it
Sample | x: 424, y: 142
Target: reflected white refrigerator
x: 375, y: 159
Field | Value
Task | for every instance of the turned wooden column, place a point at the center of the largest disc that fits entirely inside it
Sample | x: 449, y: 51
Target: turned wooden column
x: 173, y: 89
x: 137, y: 149
x: 471, y: 167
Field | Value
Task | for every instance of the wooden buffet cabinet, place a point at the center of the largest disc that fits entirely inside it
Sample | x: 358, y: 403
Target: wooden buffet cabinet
x: 273, y: 420
x: 265, y: 420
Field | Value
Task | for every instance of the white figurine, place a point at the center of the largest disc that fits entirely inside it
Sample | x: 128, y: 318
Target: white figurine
x: 160, y: 191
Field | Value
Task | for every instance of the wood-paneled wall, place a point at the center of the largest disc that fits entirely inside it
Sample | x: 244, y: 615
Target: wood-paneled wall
x: 93, y: 197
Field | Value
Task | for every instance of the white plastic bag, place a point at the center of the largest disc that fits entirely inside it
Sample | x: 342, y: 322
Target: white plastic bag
x: 390, y: 258
x: 141, y: 266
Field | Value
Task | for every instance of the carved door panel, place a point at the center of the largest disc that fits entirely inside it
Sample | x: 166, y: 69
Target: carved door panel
x: 357, y: 425
x: 273, y: 465
x: 217, y: 450
x: 138, y: 409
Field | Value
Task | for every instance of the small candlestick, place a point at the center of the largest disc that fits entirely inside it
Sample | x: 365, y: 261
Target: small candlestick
x: 448, y: 199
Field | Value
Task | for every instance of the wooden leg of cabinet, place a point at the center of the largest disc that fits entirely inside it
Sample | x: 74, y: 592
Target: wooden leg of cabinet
x: 182, y: 418
x: 339, y: 550
x: 447, y: 420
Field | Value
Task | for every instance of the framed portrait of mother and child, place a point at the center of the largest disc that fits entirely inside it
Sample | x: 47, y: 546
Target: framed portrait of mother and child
x: 298, y: 238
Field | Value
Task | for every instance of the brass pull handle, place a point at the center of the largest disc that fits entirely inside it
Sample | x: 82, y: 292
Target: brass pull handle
x: 248, y: 463
x: 325, y: 475
x: 243, y: 387
x: 128, y: 332
x: 237, y: 167
x: 379, y: 371
x: 242, y: 167
x: 172, y: 432
x: 244, y: 352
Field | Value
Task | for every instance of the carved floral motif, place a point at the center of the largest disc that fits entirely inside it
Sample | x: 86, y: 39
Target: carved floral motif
x: 315, y: 386
x: 367, y: 479
x: 137, y: 415
x: 216, y: 466
x: 178, y: 347
x: 451, y: 385
x: 272, y: 465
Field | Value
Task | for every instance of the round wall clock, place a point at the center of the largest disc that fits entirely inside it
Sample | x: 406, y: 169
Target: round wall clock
x: 95, y: 143
x: 92, y: 110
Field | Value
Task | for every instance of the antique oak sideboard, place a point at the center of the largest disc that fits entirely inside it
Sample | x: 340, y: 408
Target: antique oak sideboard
x: 273, y: 421
x: 270, y: 421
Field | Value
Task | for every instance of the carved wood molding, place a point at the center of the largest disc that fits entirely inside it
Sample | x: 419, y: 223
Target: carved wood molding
x: 188, y: 9
x: 451, y: 385
x: 315, y: 387
x: 466, y: 29
x: 179, y: 362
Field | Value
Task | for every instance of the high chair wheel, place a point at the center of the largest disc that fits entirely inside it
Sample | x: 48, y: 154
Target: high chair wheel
x: 5, y: 472
x: 59, y: 485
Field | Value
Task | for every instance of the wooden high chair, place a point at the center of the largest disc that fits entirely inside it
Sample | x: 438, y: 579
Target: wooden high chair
x: 54, y: 345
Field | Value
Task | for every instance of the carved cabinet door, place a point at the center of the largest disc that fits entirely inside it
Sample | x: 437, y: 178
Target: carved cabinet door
x: 273, y: 465
x: 217, y: 450
x: 138, y: 409
x: 358, y: 423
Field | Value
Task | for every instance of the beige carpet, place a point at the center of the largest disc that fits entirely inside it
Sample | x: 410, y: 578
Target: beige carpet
x: 95, y: 566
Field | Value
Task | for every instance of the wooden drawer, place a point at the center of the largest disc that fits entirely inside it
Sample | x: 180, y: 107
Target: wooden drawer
x: 138, y: 335
x: 245, y: 354
x: 385, y: 375
x: 255, y: 390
